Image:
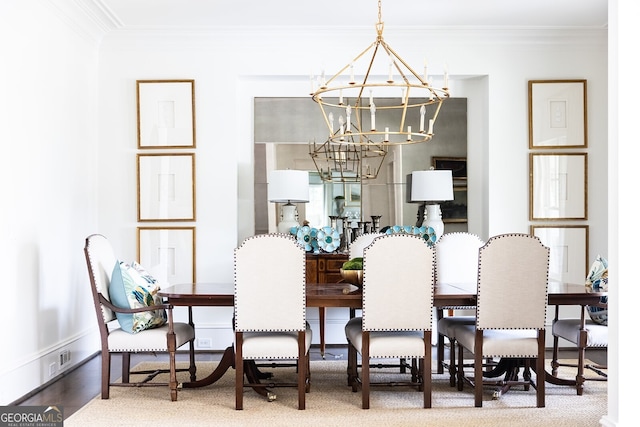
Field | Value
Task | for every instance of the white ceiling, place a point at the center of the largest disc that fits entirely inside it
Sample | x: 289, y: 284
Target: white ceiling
x: 194, y: 14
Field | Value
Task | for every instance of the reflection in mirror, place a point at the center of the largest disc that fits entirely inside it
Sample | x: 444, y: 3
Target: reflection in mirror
x: 278, y: 146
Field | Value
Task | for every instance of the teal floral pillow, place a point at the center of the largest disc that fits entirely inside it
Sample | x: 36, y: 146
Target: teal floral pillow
x: 598, y: 279
x: 132, y: 287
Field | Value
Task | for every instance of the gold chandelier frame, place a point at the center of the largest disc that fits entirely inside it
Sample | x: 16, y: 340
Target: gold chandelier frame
x: 406, y: 96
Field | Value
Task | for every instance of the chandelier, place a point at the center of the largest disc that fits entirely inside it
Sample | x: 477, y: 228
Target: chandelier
x: 399, y: 110
x: 347, y: 162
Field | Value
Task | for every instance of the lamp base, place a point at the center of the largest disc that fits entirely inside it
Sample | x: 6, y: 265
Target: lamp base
x: 289, y: 219
x: 434, y: 220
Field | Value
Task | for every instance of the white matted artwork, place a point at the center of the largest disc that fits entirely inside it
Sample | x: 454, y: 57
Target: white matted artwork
x: 166, y: 113
x: 557, y: 186
x: 557, y: 114
x: 166, y: 187
x: 568, y: 250
x: 168, y: 253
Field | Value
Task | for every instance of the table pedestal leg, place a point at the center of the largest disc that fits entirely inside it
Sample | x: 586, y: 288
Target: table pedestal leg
x: 227, y: 361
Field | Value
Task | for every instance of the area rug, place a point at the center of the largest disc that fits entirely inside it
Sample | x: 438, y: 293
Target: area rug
x: 332, y: 403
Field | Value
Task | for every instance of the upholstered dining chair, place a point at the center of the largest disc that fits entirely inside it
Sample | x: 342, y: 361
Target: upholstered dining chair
x: 510, y: 314
x: 456, y: 263
x: 393, y: 326
x: 101, y: 263
x: 356, y: 249
x: 583, y: 333
x: 269, y: 310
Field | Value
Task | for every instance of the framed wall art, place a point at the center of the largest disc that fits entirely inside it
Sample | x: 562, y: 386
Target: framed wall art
x: 455, y: 210
x: 557, y: 114
x: 557, y: 186
x: 166, y: 113
x: 457, y: 166
x: 568, y: 250
x: 168, y: 253
x: 166, y: 187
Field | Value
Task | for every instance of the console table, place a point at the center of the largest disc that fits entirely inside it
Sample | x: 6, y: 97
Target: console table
x: 324, y: 268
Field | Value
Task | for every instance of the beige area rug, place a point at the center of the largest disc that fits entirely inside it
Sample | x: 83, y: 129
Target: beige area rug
x: 332, y: 403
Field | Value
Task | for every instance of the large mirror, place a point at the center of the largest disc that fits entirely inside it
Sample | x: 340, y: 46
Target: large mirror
x: 284, y: 127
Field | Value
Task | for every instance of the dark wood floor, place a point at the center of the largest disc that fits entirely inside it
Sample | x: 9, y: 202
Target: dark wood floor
x: 76, y: 388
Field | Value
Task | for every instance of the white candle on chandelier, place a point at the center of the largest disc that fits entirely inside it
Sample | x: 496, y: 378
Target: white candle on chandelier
x: 386, y: 134
x: 373, y: 116
x: 348, y: 118
x: 446, y: 77
x: 331, y: 121
x: 430, y: 127
x: 370, y: 97
x: 341, y: 99
x: 409, y: 133
x: 425, y: 70
x: 341, y: 121
x: 423, y: 110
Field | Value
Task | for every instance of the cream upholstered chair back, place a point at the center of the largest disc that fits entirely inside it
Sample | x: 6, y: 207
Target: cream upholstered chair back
x: 512, y: 267
x: 270, y: 304
x: 101, y: 259
x: 356, y: 249
x: 457, y: 258
x: 397, y: 290
x: 270, y: 284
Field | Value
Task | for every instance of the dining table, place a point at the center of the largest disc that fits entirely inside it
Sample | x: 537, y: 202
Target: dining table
x: 350, y: 296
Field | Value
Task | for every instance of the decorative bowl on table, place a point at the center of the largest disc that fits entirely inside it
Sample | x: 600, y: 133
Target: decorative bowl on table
x: 352, y: 276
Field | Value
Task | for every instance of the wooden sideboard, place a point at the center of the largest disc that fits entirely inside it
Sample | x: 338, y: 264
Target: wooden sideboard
x: 324, y: 268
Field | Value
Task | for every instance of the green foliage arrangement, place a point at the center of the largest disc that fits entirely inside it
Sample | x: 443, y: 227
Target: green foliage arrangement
x: 353, y: 264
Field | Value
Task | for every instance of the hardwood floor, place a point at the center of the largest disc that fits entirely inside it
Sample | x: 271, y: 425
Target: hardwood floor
x: 76, y: 388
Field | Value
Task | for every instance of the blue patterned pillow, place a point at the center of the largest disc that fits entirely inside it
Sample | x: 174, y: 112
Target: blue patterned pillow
x: 129, y: 288
x: 598, y: 279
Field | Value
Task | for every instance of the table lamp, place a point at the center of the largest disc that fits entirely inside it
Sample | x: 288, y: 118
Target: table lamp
x: 430, y: 187
x: 288, y: 187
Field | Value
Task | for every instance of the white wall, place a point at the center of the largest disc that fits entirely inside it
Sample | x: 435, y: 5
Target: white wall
x: 48, y: 182
x: 73, y: 141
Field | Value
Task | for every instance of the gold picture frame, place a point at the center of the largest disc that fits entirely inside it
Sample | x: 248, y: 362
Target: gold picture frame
x: 168, y: 253
x: 558, y: 186
x: 557, y: 114
x: 568, y: 251
x: 166, y: 113
x: 166, y: 187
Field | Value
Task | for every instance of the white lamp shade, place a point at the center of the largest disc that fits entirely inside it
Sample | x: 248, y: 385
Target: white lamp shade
x: 431, y: 186
x: 288, y: 186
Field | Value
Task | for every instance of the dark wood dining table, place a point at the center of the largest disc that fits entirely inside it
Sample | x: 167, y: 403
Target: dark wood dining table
x: 349, y: 296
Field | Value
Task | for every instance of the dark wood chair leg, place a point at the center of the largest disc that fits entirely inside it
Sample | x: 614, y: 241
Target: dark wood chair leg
x: 365, y: 370
x: 126, y: 367
x: 239, y: 371
x: 106, y: 373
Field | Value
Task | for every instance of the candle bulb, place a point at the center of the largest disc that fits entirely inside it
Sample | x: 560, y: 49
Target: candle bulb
x: 409, y: 133
x: 430, y: 127
x: 373, y: 116
x: 423, y: 110
x: 425, y: 71
x: 386, y: 134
